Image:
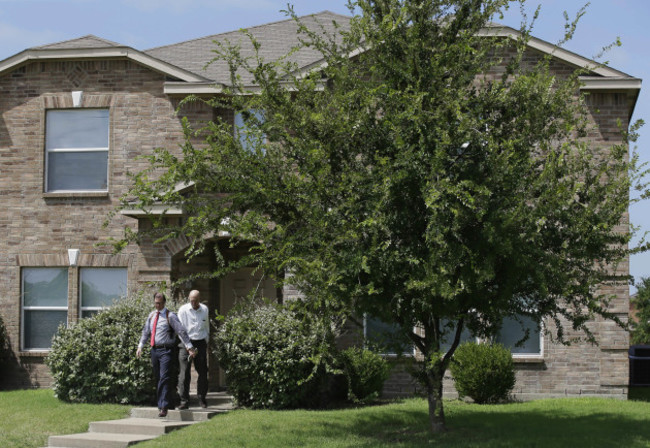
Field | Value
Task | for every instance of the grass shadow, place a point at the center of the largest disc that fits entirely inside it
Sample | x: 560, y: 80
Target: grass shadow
x: 589, y: 423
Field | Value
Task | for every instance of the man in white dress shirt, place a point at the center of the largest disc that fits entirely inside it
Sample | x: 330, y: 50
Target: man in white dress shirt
x: 194, y: 317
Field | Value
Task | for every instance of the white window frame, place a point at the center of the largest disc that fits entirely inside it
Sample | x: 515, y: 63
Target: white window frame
x: 24, y: 308
x: 96, y: 308
x: 49, y: 150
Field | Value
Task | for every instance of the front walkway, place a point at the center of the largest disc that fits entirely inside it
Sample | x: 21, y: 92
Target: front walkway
x: 144, y: 424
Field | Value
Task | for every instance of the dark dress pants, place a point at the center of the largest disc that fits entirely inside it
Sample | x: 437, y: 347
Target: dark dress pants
x: 200, y: 365
x: 161, y: 362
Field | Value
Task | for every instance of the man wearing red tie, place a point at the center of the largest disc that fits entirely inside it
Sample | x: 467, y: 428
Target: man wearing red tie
x: 159, y: 332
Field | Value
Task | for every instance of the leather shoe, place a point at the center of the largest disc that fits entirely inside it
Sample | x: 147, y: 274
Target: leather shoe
x: 204, y: 402
x: 162, y: 413
x: 183, y: 405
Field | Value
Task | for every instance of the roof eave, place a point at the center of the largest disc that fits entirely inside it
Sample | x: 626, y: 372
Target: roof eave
x: 211, y: 88
x: 632, y: 86
x: 153, y: 210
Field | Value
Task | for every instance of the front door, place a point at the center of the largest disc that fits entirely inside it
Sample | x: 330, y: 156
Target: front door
x: 235, y: 287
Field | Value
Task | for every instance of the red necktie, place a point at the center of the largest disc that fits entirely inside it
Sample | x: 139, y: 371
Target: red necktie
x: 153, y: 330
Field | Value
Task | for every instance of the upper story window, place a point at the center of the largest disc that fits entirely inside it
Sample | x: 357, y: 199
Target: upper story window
x: 44, y: 305
x: 100, y: 288
x: 250, y: 137
x: 76, y: 150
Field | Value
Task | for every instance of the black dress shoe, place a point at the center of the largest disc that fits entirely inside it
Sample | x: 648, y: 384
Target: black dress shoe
x: 183, y: 405
x: 204, y: 402
x: 162, y: 413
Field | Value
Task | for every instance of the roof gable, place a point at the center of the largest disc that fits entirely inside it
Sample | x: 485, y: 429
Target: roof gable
x: 561, y: 54
x: 93, y: 47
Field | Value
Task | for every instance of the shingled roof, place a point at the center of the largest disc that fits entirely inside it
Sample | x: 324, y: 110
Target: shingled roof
x: 276, y: 39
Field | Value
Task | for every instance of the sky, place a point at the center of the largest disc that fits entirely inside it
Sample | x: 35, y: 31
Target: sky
x: 145, y: 24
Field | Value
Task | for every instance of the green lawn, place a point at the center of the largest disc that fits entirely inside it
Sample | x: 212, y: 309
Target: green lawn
x: 587, y: 422
x: 28, y: 417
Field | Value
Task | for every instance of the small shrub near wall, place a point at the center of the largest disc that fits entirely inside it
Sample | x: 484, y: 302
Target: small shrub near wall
x: 366, y: 373
x: 483, y: 372
x: 93, y: 360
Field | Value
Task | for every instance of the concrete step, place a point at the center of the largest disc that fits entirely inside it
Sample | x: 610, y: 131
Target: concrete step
x: 136, y: 425
x: 186, y: 415
x: 97, y: 440
x: 144, y: 424
x: 213, y: 398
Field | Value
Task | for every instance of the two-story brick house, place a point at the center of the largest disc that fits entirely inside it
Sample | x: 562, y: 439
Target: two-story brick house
x: 74, y: 117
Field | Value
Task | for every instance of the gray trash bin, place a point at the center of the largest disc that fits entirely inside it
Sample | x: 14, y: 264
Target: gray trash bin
x: 639, y: 365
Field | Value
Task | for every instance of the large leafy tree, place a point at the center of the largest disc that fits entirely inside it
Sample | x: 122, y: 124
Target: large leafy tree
x: 407, y: 179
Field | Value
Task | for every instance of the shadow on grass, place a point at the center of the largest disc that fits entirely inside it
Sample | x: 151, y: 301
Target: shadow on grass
x: 496, y: 426
x: 639, y: 393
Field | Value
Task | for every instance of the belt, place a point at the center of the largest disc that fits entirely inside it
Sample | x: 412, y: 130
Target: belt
x: 164, y: 346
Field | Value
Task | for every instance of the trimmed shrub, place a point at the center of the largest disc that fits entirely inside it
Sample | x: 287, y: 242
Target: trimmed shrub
x: 93, y: 360
x: 483, y: 372
x: 366, y: 372
x: 269, y: 356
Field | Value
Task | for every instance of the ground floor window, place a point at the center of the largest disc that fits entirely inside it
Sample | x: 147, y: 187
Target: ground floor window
x: 100, y: 288
x: 44, y: 305
x: 387, y: 339
x: 465, y: 336
x: 513, y: 330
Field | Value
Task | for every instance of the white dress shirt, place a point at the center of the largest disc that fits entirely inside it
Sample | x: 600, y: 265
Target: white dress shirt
x: 196, y: 322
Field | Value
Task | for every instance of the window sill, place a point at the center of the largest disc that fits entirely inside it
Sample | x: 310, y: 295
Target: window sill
x: 34, y: 354
x: 77, y: 194
x: 528, y: 360
x: 395, y: 355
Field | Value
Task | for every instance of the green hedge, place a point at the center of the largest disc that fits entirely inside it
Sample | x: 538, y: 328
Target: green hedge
x: 93, y: 360
x: 483, y: 372
x: 268, y: 355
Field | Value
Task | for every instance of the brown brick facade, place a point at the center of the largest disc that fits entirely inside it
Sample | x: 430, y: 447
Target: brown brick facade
x: 38, y: 228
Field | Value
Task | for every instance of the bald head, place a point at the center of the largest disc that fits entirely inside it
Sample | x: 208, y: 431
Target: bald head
x: 195, y: 299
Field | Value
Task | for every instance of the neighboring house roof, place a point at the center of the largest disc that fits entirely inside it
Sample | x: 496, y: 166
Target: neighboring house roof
x: 88, y: 41
x: 187, y: 64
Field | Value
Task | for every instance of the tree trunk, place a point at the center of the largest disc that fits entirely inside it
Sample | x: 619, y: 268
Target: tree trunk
x: 434, y: 397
